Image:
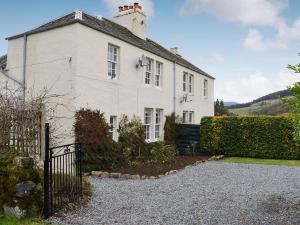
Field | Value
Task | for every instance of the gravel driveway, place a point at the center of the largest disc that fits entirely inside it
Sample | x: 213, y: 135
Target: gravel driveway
x: 210, y: 193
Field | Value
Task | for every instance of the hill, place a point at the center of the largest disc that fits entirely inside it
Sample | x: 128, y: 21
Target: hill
x: 272, y: 96
x: 270, y: 104
x: 227, y: 104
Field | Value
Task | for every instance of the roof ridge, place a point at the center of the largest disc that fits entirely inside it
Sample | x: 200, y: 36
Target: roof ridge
x: 109, y: 27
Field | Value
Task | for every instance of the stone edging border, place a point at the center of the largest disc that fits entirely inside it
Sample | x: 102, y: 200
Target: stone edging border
x: 103, y: 174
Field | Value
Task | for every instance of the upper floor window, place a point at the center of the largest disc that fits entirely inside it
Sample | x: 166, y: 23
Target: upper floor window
x: 191, y: 84
x: 205, y: 87
x: 149, y: 71
x: 185, y: 77
x: 158, y: 74
x: 113, y: 61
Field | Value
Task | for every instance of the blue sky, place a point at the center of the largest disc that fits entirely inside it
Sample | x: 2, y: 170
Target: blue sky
x: 245, y: 44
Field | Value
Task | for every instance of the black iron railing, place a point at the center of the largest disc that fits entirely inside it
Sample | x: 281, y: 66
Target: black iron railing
x: 62, y: 176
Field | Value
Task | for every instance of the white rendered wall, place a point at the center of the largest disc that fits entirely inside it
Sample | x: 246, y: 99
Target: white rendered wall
x: 51, y: 60
x: 72, y: 62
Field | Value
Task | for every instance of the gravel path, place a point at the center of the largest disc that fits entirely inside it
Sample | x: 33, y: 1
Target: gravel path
x: 210, y: 193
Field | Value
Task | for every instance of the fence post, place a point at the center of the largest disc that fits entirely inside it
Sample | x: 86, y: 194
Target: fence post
x: 46, y: 174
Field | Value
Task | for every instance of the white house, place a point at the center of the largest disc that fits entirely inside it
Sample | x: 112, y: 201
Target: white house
x: 109, y: 65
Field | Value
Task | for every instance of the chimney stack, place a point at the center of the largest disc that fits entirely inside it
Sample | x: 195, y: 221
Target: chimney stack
x: 174, y: 50
x: 133, y: 18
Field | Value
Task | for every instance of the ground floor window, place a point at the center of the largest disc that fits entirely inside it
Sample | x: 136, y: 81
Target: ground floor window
x: 153, y: 124
x: 188, y: 117
x: 113, y: 127
x: 158, y: 124
x: 148, y: 122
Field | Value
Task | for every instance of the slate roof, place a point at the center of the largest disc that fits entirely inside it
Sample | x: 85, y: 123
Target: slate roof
x: 113, y: 29
x: 3, y: 61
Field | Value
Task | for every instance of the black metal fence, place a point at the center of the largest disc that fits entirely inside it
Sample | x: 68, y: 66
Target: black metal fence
x: 62, y: 175
x: 189, y: 141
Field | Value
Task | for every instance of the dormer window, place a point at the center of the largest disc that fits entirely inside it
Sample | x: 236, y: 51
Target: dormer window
x: 113, y: 61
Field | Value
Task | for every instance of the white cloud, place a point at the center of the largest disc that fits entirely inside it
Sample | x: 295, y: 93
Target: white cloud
x: 256, y: 42
x: 254, y: 86
x: 113, y: 5
x: 252, y: 13
x: 246, y: 12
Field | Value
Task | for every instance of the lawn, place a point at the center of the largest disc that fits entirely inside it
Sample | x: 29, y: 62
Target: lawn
x: 11, y: 221
x: 262, y: 161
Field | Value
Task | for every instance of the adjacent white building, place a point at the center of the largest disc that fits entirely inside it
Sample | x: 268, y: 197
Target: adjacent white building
x: 92, y: 62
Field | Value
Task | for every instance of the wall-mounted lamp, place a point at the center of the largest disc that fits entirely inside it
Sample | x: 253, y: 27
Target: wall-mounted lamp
x: 142, y: 62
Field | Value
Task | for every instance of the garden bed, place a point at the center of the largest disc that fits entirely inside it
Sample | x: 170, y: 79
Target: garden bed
x: 154, y: 169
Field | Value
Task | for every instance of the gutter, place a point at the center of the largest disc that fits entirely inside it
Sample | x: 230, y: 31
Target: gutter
x: 174, y: 88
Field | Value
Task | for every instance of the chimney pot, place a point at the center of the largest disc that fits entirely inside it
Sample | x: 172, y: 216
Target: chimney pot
x: 136, y: 4
x: 131, y: 7
x: 120, y: 8
x: 140, y: 7
x: 125, y: 7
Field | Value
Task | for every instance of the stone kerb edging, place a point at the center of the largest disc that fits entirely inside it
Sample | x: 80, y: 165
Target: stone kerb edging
x: 103, y: 174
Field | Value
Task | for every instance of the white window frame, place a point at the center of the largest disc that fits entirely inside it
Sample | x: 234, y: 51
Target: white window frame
x: 158, y: 74
x: 113, y: 56
x: 184, y: 116
x: 158, y: 124
x: 149, y: 71
x: 205, y: 88
x: 191, y: 117
x: 113, y: 127
x: 188, y: 117
x: 148, y: 120
x: 184, y: 81
x: 191, y: 84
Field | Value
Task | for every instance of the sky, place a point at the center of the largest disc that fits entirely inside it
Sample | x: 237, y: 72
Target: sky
x: 245, y: 44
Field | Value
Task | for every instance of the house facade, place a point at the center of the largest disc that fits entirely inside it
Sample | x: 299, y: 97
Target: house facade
x: 83, y: 61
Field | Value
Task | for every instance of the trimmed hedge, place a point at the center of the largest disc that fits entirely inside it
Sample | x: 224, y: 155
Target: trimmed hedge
x: 250, y: 136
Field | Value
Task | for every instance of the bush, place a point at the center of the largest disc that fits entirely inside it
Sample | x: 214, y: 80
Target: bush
x: 136, y: 149
x: 132, y: 138
x: 103, y: 153
x: 172, y: 129
x: 250, y: 136
x: 12, y: 174
x: 159, y: 152
x: 99, y: 149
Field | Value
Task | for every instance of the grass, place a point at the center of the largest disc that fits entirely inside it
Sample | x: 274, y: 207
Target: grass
x: 12, y: 221
x: 263, y: 161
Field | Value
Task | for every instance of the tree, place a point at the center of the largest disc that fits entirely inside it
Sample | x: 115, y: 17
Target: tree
x: 220, y: 109
x: 294, y: 102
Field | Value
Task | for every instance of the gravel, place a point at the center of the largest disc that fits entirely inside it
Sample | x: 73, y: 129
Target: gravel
x: 210, y: 193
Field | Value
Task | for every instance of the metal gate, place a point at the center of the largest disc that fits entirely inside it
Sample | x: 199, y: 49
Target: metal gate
x: 62, y: 175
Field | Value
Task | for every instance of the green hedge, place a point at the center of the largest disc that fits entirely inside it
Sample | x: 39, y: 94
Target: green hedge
x: 250, y: 136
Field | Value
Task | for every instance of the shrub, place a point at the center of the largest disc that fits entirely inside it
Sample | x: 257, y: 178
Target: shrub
x: 250, y: 136
x: 99, y: 149
x: 136, y: 149
x: 172, y: 129
x: 159, y: 152
x: 132, y: 138
x: 11, y: 174
x: 103, y: 153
